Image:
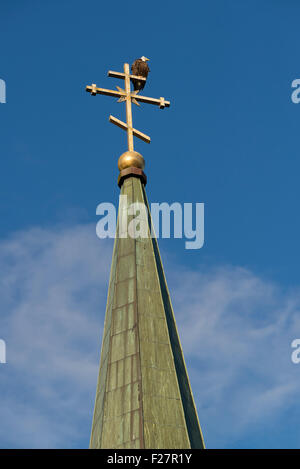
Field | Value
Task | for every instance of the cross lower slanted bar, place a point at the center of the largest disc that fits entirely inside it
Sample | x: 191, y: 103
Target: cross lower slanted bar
x: 124, y: 126
x: 128, y: 96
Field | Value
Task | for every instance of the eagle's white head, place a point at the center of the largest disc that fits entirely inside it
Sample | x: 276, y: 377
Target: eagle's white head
x: 144, y: 59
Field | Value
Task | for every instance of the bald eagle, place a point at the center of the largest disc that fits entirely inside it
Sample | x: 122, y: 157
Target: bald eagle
x: 139, y: 67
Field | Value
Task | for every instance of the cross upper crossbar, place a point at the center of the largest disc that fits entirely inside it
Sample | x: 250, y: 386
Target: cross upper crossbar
x: 122, y: 76
x: 128, y: 96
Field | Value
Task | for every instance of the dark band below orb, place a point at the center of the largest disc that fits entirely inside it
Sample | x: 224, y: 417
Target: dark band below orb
x: 132, y: 171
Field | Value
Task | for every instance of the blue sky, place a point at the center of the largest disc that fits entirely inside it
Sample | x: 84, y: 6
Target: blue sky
x: 229, y: 139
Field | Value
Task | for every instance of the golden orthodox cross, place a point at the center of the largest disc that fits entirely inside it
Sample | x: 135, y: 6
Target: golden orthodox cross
x: 128, y: 96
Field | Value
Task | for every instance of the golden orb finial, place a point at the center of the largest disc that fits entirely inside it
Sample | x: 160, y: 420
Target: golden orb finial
x: 131, y: 159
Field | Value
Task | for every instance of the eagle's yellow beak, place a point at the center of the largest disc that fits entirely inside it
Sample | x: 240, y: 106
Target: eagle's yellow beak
x: 147, y: 60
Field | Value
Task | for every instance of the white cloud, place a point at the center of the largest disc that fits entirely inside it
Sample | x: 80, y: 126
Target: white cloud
x: 236, y: 329
x: 53, y: 293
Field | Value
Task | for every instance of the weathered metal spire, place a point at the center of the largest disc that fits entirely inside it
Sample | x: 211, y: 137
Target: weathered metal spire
x: 143, y: 398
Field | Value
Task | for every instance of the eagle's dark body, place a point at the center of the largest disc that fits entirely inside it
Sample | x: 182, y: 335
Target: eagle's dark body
x: 139, y: 67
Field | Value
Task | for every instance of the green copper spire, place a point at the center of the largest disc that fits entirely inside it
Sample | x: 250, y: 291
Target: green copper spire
x: 143, y: 398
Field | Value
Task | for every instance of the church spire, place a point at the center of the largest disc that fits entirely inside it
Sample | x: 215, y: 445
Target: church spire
x: 143, y: 397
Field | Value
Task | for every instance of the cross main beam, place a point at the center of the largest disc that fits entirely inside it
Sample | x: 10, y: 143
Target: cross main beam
x: 161, y: 102
x: 94, y: 90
